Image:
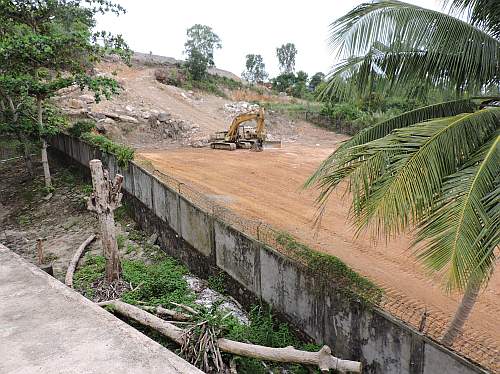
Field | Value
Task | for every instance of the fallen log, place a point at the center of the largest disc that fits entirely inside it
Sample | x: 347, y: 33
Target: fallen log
x: 74, y: 261
x: 322, y: 359
x: 147, y: 319
x: 178, y: 316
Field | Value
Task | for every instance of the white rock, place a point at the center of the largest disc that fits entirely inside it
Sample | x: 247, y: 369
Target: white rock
x: 88, y: 99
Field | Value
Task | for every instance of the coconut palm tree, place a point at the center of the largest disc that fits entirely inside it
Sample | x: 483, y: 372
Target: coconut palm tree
x: 435, y: 169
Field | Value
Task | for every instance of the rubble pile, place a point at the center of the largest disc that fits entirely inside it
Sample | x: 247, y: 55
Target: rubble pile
x: 239, y: 107
x: 159, y: 123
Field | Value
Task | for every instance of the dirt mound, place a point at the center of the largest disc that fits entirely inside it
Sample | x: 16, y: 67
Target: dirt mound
x: 150, y: 113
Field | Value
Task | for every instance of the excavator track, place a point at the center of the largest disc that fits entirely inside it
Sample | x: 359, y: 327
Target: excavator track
x: 223, y: 145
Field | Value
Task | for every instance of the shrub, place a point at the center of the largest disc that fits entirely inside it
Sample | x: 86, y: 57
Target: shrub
x: 122, y: 153
x: 81, y: 127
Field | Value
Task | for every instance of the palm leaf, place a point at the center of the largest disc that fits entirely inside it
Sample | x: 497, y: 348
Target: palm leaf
x: 346, y: 154
x: 421, y: 43
x: 424, y: 154
x: 395, y: 179
x: 461, y: 232
x: 484, y: 14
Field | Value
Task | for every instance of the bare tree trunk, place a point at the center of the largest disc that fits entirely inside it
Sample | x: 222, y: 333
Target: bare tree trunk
x: 110, y: 246
x: 462, y: 313
x: 20, y: 136
x: 105, y: 198
x: 45, y: 160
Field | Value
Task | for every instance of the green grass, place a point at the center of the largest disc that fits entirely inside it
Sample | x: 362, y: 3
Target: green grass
x: 123, y: 213
x: 217, y: 282
x: 24, y: 219
x: 292, y: 108
x: 122, y: 153
x: 156, y: 284
x: 92, y: 270
x: 120, y: 240
x: 265, y: 329
x: 331, y: 268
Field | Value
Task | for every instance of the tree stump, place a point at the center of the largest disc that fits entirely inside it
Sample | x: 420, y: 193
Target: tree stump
x: 105, y: 198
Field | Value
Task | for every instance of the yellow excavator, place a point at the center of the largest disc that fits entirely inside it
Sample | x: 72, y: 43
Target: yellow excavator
x: 238, y: 136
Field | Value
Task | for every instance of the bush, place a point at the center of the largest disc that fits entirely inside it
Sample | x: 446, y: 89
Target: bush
x: 122, y: 153
x: 81, y: 127
x: 342, y: 112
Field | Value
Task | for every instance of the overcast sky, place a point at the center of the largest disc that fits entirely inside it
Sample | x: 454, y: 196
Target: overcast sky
x: 257, y: 26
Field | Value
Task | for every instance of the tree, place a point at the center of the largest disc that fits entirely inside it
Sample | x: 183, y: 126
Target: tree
x: 49, y: 45
x: 199, y: 48
x: 434, y: 168
x: 284, y: 82
x: 255, y: 69
x: 299, y: 88
x: 316, y: 80
x: 286, y: 57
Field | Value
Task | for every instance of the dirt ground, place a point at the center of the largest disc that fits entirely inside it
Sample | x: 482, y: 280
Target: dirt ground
x: 267, y: 186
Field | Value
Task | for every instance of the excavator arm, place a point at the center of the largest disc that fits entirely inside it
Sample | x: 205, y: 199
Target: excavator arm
x: 248, y: 137
x: 232, y: 134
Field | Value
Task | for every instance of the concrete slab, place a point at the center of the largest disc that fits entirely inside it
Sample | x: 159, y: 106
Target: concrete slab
x: 46, y: 327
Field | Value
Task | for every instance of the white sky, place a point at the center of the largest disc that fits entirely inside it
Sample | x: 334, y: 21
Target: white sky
x: 257, y: 26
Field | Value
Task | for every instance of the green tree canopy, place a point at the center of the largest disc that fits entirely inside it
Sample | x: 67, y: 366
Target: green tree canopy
x: 316, y: 80
x: 286, y: 57
x: 255, y: 69
x: 199, y: 48
x: 48, y: 45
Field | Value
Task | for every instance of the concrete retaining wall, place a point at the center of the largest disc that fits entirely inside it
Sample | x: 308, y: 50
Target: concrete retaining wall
x: 310, y: 302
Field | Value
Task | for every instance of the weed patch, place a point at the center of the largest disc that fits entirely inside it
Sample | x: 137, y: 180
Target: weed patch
x: 217, y: 282
x: 122, y: 153
x: 346, y: 279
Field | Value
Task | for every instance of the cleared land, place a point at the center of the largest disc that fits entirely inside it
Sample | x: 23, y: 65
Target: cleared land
x: 267, y: 186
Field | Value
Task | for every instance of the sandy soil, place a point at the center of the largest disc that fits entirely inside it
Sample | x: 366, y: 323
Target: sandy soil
x: 267, y: 186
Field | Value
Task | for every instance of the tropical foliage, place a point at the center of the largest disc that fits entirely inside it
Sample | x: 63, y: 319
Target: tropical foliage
x: 435, y: 169
x: 255, y: 69
x: 50, y: 45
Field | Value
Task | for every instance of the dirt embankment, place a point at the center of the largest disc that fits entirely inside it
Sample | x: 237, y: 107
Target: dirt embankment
x: 148, y: 114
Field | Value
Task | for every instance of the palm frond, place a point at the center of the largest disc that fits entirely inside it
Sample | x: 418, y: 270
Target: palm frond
x: 484, y: 14
x: 346, y: 154
x: 461, y: 232
x: 394, y: 180
x: 421, y: 44
x: 424, y: 154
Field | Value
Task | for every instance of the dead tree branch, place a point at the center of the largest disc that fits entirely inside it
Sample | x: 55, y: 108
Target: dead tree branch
x: 322, y: 359
x: 74, y: 261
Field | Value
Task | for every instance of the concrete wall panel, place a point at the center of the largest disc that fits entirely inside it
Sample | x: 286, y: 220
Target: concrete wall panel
x: 196, y: 227
x: 159, y: 200
x: 143, y: 186
x: 239, y: 256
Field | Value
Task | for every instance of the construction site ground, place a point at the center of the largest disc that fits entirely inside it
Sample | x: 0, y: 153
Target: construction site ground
x: 268, y: 186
